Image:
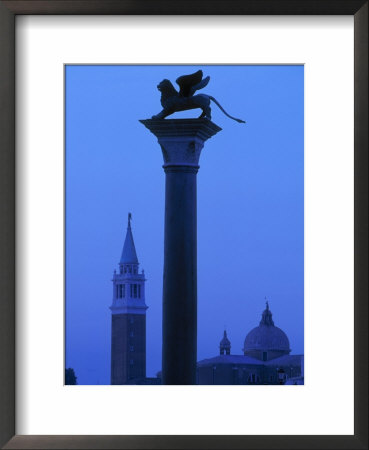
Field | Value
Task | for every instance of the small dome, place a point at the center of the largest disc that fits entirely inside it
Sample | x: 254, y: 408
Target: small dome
x: 225, y: 344
x: 266, y: 337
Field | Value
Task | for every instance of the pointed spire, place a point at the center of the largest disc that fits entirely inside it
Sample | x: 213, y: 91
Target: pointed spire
x: 266, y: 318
x: 129, y: 255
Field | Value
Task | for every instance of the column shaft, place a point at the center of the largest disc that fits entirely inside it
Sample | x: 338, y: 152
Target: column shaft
x: 180, y: 277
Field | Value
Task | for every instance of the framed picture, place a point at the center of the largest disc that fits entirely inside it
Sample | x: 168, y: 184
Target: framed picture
x: 122, y: 53
x: 265, y: 335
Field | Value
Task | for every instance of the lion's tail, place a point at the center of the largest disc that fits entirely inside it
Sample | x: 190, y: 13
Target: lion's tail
x: 225, y: 112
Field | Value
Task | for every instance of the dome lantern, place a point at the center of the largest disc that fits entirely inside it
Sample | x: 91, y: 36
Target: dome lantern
x: 266, y: 317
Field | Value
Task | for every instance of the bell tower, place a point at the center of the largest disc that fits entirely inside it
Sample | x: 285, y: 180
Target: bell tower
x: 128, y: 325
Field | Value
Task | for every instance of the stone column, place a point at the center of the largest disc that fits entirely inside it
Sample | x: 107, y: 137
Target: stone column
x: 181, y: 141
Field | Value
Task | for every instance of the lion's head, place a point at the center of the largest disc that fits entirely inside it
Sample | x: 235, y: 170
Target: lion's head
x: 167, y: 89
x: 165, y: 84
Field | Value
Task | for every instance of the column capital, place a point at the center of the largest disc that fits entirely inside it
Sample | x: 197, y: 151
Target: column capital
x: 181, y: 140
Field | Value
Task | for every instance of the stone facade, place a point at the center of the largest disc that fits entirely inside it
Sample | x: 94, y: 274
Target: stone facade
x: 128, y: 347
x: 244, y: 370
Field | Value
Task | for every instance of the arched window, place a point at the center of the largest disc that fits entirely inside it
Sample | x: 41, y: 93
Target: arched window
x: 133, y: 288
x: 122, y: 290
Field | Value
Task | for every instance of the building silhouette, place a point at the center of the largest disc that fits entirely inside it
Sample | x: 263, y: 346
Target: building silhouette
x: 128, y: 324
x: 266, y: 359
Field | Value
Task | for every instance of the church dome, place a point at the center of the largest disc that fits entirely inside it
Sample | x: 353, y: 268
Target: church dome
x: 266, y: 338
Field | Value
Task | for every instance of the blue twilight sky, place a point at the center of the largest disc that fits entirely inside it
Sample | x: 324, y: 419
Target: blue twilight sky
x: 250, y: 205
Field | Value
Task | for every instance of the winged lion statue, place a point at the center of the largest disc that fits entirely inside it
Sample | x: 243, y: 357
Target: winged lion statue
x: 173, y: 101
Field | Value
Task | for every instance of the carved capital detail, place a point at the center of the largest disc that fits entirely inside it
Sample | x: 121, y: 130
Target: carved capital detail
x: 181, y: 151
x: 181, y: 140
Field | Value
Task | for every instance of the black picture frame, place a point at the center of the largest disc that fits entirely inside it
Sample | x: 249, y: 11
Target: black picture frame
x: 8, y: 11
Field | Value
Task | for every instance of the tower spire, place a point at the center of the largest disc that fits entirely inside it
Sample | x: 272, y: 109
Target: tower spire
x: 129, y: 255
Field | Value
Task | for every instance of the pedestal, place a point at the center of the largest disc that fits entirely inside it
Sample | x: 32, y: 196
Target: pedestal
x: 181, y: 141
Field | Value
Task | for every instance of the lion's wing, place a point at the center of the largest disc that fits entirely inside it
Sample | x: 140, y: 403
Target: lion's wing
x: 200, y: 85
x: 187, y: 82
